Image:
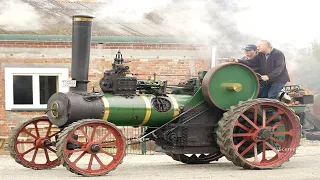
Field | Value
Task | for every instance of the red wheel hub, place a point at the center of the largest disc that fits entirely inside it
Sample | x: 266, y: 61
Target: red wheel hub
x: 93, y: 147
x: 262, y: 134
x: 42, y: 142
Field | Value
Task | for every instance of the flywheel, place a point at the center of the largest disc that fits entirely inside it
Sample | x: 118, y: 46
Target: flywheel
x: 226, y: 84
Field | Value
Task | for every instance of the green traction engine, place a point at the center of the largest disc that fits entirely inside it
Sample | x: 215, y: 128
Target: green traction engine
x: 215, y: 115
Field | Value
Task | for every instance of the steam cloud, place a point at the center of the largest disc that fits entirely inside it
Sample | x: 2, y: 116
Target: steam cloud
x: 290, y: 25
x: 16, y: 15
x: 200, y: 21
x: 225, y: 23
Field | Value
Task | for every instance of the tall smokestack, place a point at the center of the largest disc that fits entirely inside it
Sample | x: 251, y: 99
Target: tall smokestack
x: 81, y: 42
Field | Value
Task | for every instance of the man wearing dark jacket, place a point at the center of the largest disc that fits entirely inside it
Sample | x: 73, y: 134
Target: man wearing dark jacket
x: 272, y: 66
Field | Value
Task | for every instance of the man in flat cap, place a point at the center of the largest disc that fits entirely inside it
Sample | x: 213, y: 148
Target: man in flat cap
x: 250, y: 50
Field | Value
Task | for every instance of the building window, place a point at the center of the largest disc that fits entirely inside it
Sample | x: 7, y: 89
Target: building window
x: 48, y: 86
x: 31, y: 88
x: 22, y: 89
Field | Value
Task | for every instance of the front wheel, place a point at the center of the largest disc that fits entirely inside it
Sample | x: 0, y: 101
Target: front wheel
x: 33, y: 146
x: 91, y: 147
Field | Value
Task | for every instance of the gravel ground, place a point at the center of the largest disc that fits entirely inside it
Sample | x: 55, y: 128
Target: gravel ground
x: 304, y: 165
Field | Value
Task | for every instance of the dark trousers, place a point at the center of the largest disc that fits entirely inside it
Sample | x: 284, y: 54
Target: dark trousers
x: 270, y: 91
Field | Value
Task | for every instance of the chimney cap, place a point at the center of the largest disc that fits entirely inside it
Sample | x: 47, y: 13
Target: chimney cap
x: 82, y: 18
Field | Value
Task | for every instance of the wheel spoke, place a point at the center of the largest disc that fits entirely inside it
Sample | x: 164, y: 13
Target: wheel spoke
x: 51, y: 149
x: 256, y: 159
x: 284, y: 133
x: 277, y: 125
x: 29, y: 150
x: 264, y: 116
x: 34, y: 155
x: 243, y: 135
x: 84, y: 133
x: 75, y: 150
x: 104, y: 145
x: 240, y: 143
x: 90, y: 162
x: 256, y: 109
x: 99, y: 161
x: 247, y: 149
x: 49, y: 129
x: 93, y: 132
x: 249, y: 121
x: 273, y: 149
x: 54, y: 134
x: 105, y: 136
x: 36, y: 128
x: 281, y: 143
x: 46, y: 154
x: 81, y: 155
x: 274, y: 116
x: 75, y: 141
x: 264, y: 151
x: 29, y: 133
x: 107, y: 153
x: 242, y: 126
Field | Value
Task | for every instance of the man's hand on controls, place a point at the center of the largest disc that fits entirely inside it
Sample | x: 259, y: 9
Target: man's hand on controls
x: 265, y: 78
x: 232, y: 59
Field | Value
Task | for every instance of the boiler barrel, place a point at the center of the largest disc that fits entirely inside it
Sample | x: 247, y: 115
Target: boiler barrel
x: 142, y: 110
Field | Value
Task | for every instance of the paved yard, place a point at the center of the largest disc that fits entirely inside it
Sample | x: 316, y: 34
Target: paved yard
x: 304, y: 165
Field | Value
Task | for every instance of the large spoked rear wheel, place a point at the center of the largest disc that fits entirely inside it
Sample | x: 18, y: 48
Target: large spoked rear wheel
x: 259, y: 134
x: 32, y: 144
x: 91, y: 147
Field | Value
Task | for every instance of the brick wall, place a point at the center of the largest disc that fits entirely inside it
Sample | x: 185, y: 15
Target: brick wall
x: 149, y: 46
x: 97, y: 67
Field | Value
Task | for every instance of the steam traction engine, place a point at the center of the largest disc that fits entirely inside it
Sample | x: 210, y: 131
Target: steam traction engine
x: 214, y: 115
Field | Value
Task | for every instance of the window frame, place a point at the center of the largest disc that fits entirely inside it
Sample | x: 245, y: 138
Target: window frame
x: 62, y: 73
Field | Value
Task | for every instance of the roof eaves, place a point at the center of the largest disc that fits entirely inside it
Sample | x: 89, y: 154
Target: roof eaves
x: 97, y: 39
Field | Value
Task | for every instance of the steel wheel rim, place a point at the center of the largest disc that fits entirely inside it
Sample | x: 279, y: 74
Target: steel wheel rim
x: 85, y: 149
x: 37, y: 143
x: 291, y: 135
